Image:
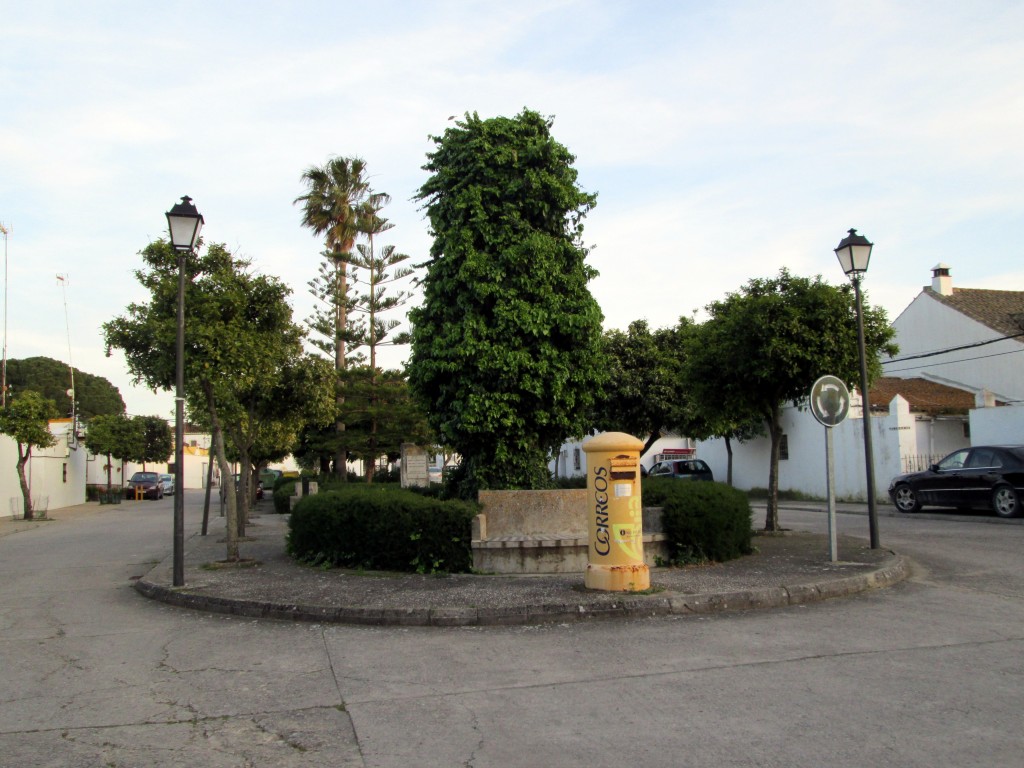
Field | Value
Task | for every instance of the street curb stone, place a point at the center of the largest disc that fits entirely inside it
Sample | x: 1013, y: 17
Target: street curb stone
x: 893, y: 570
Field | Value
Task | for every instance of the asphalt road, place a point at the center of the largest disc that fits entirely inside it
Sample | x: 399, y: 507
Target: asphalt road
x: 927, y: 673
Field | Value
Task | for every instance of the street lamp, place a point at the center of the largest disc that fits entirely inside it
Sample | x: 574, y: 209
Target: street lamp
x: 854, y: 253
x: 185, y: 223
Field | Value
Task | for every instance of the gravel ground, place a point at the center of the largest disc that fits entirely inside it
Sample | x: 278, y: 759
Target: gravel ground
x: 792, y: 561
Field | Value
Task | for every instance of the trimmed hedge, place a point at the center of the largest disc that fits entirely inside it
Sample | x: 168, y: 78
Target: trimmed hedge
x: 704, y: 521
x: 283, y: 490
x: 380, y: 529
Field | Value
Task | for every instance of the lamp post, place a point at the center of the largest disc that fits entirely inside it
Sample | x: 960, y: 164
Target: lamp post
x: 185, y: 223
x: 854, y: 253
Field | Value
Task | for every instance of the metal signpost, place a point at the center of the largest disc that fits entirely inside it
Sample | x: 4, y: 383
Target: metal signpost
x: 830, y: 404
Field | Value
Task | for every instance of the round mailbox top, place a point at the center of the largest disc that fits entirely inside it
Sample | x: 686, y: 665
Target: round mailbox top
x: 613, y: 441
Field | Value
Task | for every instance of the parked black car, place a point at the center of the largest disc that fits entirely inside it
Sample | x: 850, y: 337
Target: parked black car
x: 982, y: 477
x: 684, y: 469
x: 150, y: 484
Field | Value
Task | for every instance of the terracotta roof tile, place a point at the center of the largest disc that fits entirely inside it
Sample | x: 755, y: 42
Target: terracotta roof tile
x: 1003, y: 311
x: 924, y: 396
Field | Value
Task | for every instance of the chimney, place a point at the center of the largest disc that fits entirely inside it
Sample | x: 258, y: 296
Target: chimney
x: 942, y: 283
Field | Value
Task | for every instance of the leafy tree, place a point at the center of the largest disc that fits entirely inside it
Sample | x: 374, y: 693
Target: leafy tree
x: 505, y: 348
x: 113, y: 435
x: 237, y: 321
x: 26, y: 419
x: 156, y: 440
x: 766, y: 345
x: 644, y: 393
x: 335, y: 206
x: 265, y: 417
x: 380, y: 415
x: 52, y: 379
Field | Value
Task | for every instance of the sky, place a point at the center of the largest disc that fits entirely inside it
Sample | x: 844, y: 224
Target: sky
x: 725, y: 141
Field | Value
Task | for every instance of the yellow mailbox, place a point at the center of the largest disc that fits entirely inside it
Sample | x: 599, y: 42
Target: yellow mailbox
x: 615, y: 557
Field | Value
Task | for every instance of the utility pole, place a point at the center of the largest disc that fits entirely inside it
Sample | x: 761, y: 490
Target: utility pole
x: 3, y: 376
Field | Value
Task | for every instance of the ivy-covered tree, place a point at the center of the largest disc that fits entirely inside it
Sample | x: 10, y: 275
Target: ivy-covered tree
x: 766, y: 344
x: 506, y: 344
x: 27, y: 419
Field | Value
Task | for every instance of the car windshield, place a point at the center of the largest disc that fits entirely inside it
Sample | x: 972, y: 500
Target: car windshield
x: 144, y: 477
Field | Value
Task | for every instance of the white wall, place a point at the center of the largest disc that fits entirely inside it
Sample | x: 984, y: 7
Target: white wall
x: 806, y: 470
x: 998, y: 426
x: 56, y: 475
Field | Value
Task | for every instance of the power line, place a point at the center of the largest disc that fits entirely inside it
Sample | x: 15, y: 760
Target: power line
x: 950, y: 362
x: 953, y: 349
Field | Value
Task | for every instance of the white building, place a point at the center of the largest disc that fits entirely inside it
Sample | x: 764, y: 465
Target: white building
x: 55, y: 475
x: 967, y: 337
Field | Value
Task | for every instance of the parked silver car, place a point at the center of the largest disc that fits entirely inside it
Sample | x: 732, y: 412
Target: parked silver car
x: 167, y: 481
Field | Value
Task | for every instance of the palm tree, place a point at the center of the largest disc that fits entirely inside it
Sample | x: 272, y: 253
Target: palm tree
x: 335, y: 207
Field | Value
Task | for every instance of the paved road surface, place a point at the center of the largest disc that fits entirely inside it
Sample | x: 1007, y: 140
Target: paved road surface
x: 928, y: 673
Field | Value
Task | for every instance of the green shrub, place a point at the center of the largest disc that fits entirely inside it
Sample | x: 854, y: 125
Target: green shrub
x: 654, y: 490
x: 283, y: 490
x: 381, y: 528
x: 704, y: 521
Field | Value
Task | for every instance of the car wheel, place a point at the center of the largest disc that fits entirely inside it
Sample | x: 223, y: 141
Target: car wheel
x: 159, y: 493
x: 906, y: 499
x: 1005, y: 502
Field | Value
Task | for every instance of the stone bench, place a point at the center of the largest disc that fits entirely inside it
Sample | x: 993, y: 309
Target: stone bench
x: 544, y: 532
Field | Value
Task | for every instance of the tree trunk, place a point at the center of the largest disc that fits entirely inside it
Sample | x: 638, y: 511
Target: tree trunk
x: 26, y: 492
x: 109, y: 462
x: 371, y: 466
x: 209, y: 486
x: 651, y: 440
x: 340, y: 328
x: 231, y: 514
x: 771, y: 520
x: 244, y: 480
x: 728, y: 451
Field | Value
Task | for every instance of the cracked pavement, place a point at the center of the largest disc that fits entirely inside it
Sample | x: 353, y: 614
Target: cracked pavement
x: 926, y: 673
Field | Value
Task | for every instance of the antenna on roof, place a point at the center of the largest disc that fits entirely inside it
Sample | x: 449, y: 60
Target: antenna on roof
x: 71, y: 368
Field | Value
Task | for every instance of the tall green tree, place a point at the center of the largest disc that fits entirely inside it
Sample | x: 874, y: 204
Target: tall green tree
x: 766, y: 344
x: 335, y: 206
x: 378, y: 270
x: 52, y: 379
x: 506, y: 344
x: 27, y: 419
x: 236, y: 322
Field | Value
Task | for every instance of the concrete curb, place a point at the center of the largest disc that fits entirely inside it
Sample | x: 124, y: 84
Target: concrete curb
x: 896, y: 568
